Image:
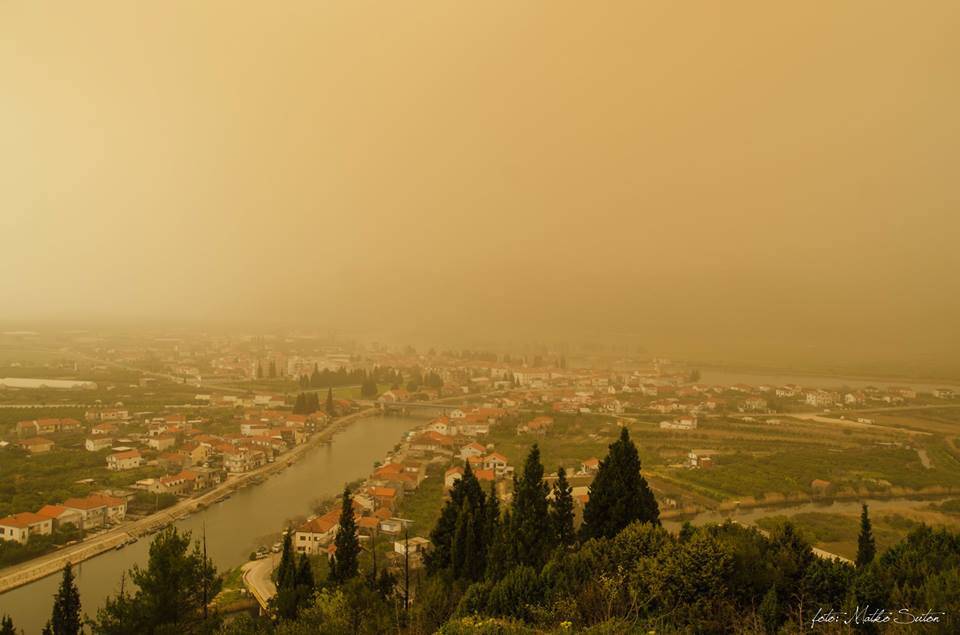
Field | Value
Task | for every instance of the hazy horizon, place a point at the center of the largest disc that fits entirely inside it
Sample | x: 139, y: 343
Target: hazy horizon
x: 742, y: 181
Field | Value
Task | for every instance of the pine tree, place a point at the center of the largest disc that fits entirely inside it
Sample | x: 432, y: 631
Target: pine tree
x: 6, y: 626
x: 866, y: 547
x: 561, y: 510
x: 532, y: 530
x: 346, y: 559
x: 66, y: 606
x: 170, y: 590
x: 330, y: 409
x: 619, y: 495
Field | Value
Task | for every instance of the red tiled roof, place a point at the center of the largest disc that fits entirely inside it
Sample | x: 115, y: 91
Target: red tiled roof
x: 52, y: 511
x: 321, y: 524
x: 368, y: 522
x: 485, y: 475
x: 23, y: 520
x: 92, y: 502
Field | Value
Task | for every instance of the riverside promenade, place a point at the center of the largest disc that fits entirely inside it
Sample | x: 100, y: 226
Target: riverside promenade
x: 96, y: 544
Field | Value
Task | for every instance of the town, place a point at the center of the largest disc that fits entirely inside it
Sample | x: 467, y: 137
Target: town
x: 180, y: 423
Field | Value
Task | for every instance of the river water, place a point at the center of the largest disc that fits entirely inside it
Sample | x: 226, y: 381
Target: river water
x: 251, y: 517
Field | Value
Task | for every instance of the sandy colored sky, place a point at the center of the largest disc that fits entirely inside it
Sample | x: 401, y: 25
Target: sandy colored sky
x: 712, y: 177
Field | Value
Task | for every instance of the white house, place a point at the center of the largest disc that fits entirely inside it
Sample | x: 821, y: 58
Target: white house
x: 452, y: 475
x: 414, y: 545
x: 20, y: 527
x: 120, y: 461
x: 95, y: 444
x: 472, y: 449
x: 496, y: 462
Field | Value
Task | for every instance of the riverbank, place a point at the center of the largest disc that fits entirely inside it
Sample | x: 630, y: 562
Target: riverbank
x: 48, y: 564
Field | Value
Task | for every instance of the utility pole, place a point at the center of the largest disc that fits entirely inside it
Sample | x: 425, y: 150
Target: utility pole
x: 203, y: 570
x: 406, y: 569
x: 374, y: 550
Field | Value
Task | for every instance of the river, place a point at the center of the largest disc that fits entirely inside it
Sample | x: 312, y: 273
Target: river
x: 234, y: 527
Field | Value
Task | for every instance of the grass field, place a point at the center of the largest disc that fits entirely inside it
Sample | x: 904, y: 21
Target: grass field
x: 837, y: 533
x: 423, y: 505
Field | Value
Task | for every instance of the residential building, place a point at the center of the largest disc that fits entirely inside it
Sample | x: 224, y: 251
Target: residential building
x: 451, y: 476
x: 242, y: 459
x: 20, y: 527
x: 312, y: 537
x: 36, y: 445
x: 97, y: 510
x: 104, y: 429
x: 415, y: 545
x: 472, y: 449
x: 61, y: 516
x: 163, y: 441
x: 590, y: 466
x: 95, y: 444
x: 686, y: 422
x: 46, y: 426
x: 496, y: 462
x: 121, y: 461
x: 820, y: 398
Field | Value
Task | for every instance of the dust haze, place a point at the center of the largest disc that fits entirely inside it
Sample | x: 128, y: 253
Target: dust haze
x: 743, y: 180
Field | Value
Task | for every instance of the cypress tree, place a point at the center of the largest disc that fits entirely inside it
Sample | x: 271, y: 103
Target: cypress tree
x: 866, y: 547
x: 465, y: 491
x: 304, y: 584
x: 330, y: 402
x: 66, y: 606
x: 462, y: 542
x: 346, y: 558
x: 532, y: 530
x: 286, y: 599
x: 561, y: 510
x: 492, y: 519
x: 619, y: 495
x: 300, y: 405
x: 502, y: 554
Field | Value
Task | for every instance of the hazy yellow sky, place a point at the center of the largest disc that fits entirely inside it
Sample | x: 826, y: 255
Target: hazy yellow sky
x: 701, y: 176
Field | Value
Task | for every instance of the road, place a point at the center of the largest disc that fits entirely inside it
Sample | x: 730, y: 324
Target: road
x: 256, y: 577
x: 42, y: 566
